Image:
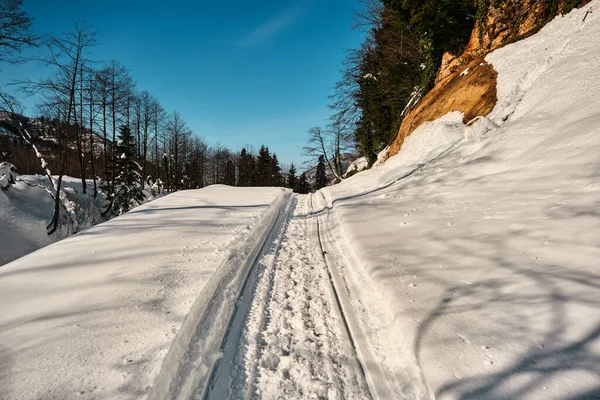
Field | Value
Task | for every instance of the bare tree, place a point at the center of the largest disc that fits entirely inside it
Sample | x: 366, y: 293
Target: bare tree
x: 15, y: 30
x: 10, y: 105
x: 178, y: 134
x: 328, y: 143
x: 65, y: 55
x: 144, y: 114
x: 93, y: 98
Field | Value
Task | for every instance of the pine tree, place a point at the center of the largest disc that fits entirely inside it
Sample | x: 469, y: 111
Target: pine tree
x: 128, y: 182
x: 165, y: 160
x: 276, y: 177
x: 263, y: 167
x: 320, y: 175
x: 292, y: 179
x: 244, y: 168
x: 302, y: 187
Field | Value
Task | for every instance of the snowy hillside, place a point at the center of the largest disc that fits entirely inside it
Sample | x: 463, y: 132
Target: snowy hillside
x: 24, y: 212
x: 479, y: 257
x: 465, y: 267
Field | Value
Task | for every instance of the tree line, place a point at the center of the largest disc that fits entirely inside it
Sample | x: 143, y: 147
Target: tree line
x: 97, y: 125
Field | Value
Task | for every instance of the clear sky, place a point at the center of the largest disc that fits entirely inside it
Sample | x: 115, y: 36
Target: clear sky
x: 240, y: 72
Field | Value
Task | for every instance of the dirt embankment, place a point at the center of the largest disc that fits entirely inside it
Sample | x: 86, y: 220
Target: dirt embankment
x: 474, y: 93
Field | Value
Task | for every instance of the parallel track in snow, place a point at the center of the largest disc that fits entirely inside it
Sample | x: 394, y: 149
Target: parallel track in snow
x: 289, y: 334
x: 334, y: 280
x: 341, y: 267
x: 222, y: 368
x: 200, y: 348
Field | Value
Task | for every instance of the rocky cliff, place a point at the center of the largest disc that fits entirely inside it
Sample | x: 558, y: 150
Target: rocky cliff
x: 465, y: 82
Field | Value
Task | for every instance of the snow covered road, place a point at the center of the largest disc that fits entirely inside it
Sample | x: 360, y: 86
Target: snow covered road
x: 293, y: 342
x: 482, y: 265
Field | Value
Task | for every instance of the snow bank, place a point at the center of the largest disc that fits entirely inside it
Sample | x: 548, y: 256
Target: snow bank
x: 7, y: 175
x: 94, y: 315
x: 27, y: 207
x: 360, y: 164
x: 24, y: 212
x: 476, y: 259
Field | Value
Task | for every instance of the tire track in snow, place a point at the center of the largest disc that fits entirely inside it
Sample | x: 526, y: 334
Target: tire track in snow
x: 295, y: 344
x: 400, y: 382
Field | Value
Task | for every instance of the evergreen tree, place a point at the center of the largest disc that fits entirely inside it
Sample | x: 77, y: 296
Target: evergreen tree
x: 276, y: 177
x: 264, y: 165
x: 320, y: 175
x: 302, y: 187
x: 128, y: 182
x: 292, y: 179
x: 165, y: 160
x: 230, y: 173
x: 245, y: 168
x: 8, y: 173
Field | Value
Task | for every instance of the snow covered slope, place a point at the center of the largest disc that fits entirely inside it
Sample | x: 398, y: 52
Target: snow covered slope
x: 94, y: 315
x: 24, y: 213
x: 475, y: 260
x: 26, y: 208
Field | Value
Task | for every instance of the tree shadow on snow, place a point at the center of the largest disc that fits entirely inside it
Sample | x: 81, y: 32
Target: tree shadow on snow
x: 530, y: 309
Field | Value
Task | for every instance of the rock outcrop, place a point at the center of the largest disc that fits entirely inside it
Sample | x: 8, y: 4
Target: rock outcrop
x: 474, y: 92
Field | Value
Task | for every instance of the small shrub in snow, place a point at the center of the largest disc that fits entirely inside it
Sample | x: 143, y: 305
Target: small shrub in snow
x: 8, y: 175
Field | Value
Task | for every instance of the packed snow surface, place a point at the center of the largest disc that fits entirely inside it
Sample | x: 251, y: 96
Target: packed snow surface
x: 294, y: 344
x: 94, y: 315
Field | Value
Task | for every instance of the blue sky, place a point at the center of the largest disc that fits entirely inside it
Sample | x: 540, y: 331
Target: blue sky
x: 240, y: 72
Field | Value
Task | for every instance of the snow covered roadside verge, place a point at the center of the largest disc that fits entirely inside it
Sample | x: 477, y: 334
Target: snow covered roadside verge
x: 477, y: 258
x: 94, y: 315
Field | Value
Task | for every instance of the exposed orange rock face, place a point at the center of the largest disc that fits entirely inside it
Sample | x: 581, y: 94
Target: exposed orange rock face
x: 512, y: 20
x: 471, y: 91
x: 475, y: 93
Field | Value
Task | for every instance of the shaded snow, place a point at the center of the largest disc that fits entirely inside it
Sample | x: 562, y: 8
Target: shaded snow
x: 24, y: 212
